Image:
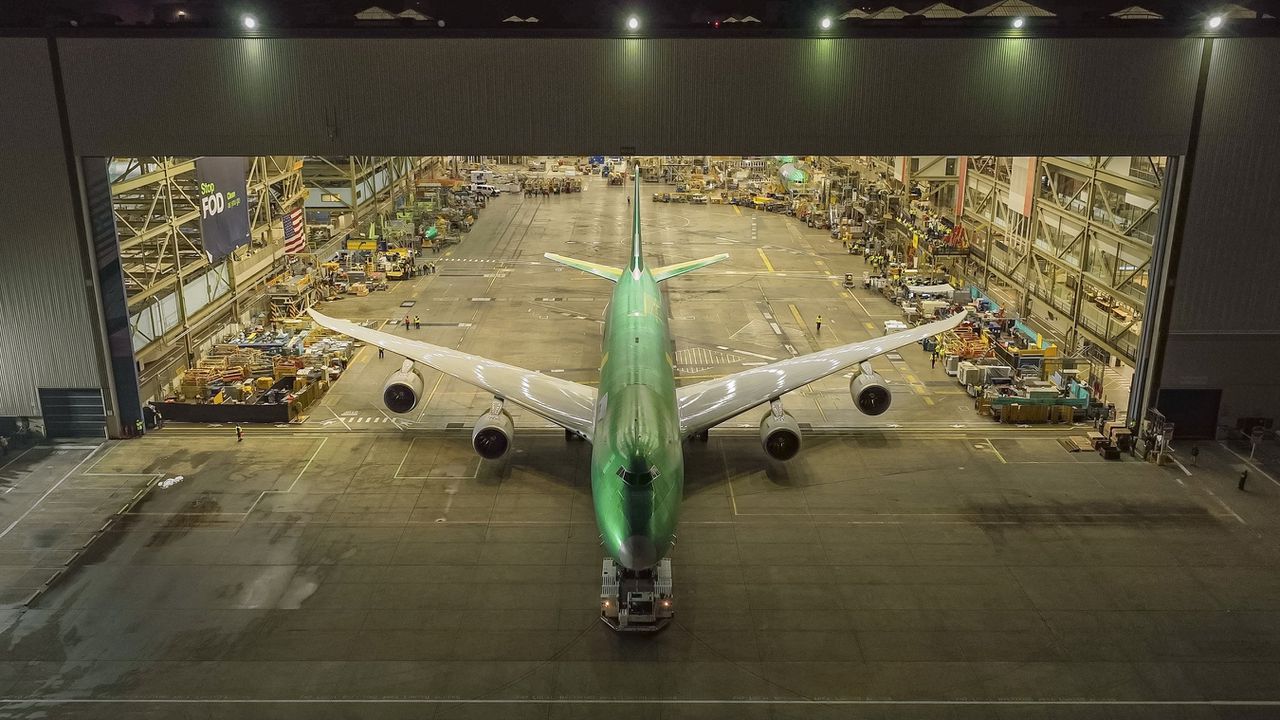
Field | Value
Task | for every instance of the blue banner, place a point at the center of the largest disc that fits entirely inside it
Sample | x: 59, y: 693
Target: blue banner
x: 224, y: 205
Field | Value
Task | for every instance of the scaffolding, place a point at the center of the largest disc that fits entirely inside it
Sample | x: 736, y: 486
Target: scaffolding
x: 1071, y: 235
x: 178, y: 300
x: 346, y: 192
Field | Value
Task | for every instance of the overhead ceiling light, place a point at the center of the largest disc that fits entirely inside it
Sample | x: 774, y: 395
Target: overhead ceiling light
x: 1215, y: 22
x: 250, y: 22
x: 633, y: 23
x: 1019, y: 22
x: 826, y: 23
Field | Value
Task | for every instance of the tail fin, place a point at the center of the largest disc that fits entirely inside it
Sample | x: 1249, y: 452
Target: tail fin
x: 637, y: 251
x: 604, y: 271
x: 666, y: 272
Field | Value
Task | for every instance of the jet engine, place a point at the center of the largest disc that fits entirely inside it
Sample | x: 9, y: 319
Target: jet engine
x: 780, y: 435
x: 870, y: 393
x: 403, y: 389
x: 492, y: 434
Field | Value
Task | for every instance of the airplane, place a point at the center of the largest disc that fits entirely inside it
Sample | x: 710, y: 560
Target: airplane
x: 638, y: 419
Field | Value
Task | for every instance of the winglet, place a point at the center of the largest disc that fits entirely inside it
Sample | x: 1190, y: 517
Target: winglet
x: 666, y: 272
x: 604, y: 271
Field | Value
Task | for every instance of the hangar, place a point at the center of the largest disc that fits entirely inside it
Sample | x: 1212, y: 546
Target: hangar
x: 1079, y: 188
x: 1036, y: 259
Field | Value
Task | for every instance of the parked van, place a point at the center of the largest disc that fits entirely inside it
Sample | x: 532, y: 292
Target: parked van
x: 485, y: 189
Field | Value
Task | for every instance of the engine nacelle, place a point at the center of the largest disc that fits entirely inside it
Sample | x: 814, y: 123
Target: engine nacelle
x: 869, y: 391
x: 780, y: 435
x: 492, y: 434
x: 403, y: 389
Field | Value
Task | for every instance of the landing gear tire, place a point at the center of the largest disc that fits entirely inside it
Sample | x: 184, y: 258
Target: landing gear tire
x: 570, y: 436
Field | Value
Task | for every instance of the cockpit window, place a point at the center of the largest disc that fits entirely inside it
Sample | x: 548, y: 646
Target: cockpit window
x: 639, y: 478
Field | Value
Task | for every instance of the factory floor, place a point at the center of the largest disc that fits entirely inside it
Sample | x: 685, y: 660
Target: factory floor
x: 495, y: 295
x: 994, y: 576
x: 927, y: 563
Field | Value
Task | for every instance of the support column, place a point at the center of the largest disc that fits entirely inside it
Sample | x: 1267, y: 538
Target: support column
x: 115, y: 303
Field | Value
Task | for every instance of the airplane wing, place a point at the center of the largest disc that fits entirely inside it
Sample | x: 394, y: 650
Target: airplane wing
x: 604, y: 271
x: 567, y: 404
x: 711, y: 402
x: 666, y: 272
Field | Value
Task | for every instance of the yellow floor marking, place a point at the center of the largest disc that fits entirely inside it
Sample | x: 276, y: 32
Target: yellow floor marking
x: 845, y: 293
x: 765, y: 259
x: 997, y: 452
x: 447, y: 253
x: 928, y: 400
x: 795, y: 312
x: 737, y: 209
x: 870, y: 327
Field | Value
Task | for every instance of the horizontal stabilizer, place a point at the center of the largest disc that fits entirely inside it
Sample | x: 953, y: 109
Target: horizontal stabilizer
x: 604, y: 271
x: 666, y: 272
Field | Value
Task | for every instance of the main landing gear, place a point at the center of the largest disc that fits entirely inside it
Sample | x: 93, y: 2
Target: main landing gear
x: 636, y: 600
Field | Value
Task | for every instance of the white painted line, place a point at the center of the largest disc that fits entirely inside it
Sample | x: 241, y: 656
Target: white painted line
x: 776, y: 330
x: 1250, y: 463
x: 47, y: 493
x: 1225, y: 507
x: 14, y: 459
x: 1179, y: 464
x: 763, y: 357
x: 997, y: 452
x: 854, y: 297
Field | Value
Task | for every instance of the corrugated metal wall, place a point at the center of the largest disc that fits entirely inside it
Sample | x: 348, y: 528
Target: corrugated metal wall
x: 1233, y: 222
x: 1225, y: 327
x: 46, y: 339
x: 723, y: 96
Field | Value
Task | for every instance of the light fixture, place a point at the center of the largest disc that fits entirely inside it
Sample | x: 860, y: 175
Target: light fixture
x: 1215, y: 22
x: 826, y: 23
x: 250, y: 22
x: 633, y: 23
x: 1019, y: 22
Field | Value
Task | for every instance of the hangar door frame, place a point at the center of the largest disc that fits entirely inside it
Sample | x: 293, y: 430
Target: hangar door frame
x: 239, y: 96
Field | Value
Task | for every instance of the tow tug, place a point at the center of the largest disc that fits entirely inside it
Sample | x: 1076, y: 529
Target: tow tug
x: 636, y: 600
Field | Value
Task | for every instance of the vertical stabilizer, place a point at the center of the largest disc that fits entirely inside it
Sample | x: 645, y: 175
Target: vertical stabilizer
x: 637, y: 251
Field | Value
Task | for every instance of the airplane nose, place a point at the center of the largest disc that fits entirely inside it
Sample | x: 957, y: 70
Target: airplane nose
x: 638, y: 553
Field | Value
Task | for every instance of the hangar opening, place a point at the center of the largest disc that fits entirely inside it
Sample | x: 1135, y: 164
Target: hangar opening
x: 219, y: 259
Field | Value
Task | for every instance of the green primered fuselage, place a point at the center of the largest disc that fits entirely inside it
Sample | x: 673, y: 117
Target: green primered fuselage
x: 637, y: 462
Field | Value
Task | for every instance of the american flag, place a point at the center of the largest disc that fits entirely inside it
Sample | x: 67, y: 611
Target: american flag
x: 295, y: 239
